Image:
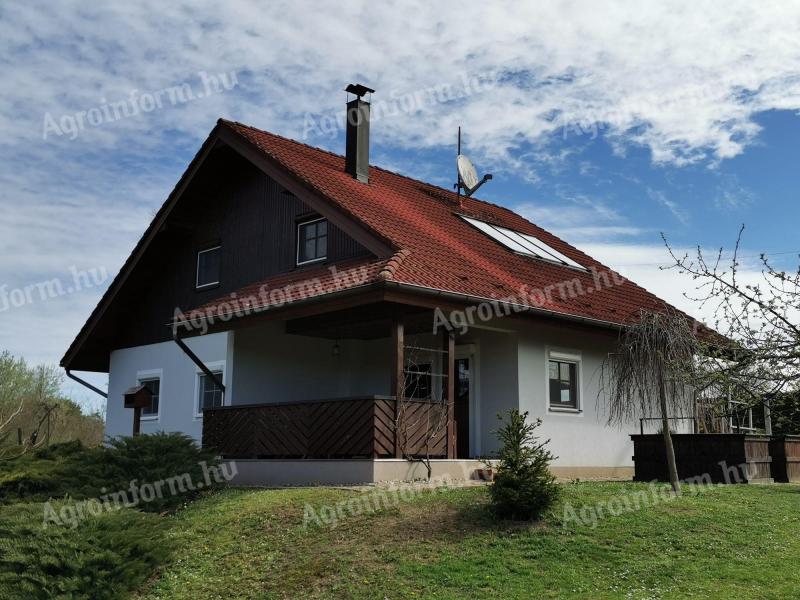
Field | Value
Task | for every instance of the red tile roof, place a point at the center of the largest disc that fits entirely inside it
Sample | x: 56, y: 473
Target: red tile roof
x: 285, y: 288
x: 437, y: 249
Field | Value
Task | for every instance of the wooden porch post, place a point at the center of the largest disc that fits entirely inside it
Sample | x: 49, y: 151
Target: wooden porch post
x: 398, y: 378
x: 449, y: 341
x: 137, y: 420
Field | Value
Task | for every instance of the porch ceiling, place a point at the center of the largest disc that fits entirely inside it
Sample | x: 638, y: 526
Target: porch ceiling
x: 368, y: 322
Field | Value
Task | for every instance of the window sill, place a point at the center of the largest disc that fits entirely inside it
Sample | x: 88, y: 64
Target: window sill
x: 206, y: 286
x: 308, y: 263
x: 143, y: 418
x: 569, y: 411
x: 199, y: 416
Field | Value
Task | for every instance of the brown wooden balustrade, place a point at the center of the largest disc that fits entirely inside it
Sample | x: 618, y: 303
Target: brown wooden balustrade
x: 362, y: 427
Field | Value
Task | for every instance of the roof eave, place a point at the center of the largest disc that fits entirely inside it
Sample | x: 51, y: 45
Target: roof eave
x: 515, y: 307
x: 141, y: 246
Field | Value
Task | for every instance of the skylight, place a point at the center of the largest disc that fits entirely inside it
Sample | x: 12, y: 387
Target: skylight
x: 522, y: 243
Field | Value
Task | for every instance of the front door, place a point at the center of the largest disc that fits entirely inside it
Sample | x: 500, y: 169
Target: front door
x: 461, y: 408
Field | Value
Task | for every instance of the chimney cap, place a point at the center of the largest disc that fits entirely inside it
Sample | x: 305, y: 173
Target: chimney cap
x: 358, y: 89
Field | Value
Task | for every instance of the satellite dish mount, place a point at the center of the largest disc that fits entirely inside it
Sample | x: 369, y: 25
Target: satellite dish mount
x: 467, y: 175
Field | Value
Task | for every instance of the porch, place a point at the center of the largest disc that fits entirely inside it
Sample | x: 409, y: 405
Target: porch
x: 374, y: 382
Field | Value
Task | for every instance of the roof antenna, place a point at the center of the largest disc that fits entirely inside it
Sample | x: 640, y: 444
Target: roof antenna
x: 458, y: 173
x: 467, y: 175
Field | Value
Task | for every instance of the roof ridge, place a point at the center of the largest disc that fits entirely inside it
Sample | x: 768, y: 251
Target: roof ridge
x: 282, y: 137
x: 391, y: 266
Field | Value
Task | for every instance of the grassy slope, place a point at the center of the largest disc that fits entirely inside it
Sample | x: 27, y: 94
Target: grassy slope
x: 737, y: 541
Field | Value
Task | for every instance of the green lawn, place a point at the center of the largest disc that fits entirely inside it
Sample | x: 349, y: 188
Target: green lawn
x: 726, y: 542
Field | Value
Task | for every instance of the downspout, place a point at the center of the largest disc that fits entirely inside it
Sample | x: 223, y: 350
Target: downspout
x: 86, y: 384
x: 196, y: 360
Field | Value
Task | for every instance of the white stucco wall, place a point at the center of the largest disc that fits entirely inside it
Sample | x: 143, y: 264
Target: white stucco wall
x: 495, y: 385
x: 272, y: 366
x: 578, y: 439
x: 179, y: 376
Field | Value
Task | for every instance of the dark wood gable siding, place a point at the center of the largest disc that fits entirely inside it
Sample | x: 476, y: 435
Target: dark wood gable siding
x: 230, y: 203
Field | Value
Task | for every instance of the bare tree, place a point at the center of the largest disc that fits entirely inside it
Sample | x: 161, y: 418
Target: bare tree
x: 761, y: 318
x: 14, y: 378
x: 422, y: 416
x: 27, y: 396
x: 650, y: 373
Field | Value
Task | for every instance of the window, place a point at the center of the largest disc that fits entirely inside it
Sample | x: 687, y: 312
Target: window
x: 312, y: 241
x: 210, y: 392
x: 563, y: 381
x: 154, y: 386
x: 208, y: 266
x: 523, y: 243
x: 418, y: 381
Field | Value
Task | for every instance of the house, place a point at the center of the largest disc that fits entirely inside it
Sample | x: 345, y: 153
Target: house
x: 321, y: 319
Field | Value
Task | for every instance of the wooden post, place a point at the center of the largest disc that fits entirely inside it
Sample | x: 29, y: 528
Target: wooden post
x: 768, y: 416
x: 137, y: 398
x: 398, y: 379
x: 137, y: 417
x: 449, y: 341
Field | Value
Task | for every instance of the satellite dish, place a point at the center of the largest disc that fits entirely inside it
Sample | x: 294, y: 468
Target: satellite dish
x: 467, y: 172
x: 467, y: 175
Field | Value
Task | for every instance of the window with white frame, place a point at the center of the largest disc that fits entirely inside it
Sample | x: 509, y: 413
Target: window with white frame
x: 210, y: 395
x: 563, y: 381
x: 209, y: 265
x: 153, y: 385
x: 312, y: 241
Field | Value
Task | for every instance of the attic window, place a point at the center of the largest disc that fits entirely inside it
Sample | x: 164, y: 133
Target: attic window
x: 523, y: 243
x: 208, y: 267
x: 312, y: 241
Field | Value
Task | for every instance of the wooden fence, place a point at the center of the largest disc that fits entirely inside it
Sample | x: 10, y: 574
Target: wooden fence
x: 785, y: 452
x: 363, y: 427
x: 708, y: 457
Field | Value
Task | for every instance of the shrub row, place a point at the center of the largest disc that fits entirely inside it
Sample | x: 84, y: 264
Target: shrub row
x: 72, y: 470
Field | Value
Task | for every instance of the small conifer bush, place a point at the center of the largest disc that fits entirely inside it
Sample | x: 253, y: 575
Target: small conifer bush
x: 524, y: 488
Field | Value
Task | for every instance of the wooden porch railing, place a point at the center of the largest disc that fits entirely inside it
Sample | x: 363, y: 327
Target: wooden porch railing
x: 362, y: 427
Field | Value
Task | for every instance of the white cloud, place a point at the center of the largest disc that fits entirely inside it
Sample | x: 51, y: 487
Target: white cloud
x: 684, y: 80
x: 580, y: 218
x: 641, y: 263
x: 673, y: 207
x: 647, y: 266
x: 731, y: 194
x: 680, y: 79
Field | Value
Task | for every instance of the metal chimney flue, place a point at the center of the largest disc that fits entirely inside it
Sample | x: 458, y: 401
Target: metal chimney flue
x: 357, y: 146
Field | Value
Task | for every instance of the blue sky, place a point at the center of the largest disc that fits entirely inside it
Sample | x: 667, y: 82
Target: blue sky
x: 605, y: 122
